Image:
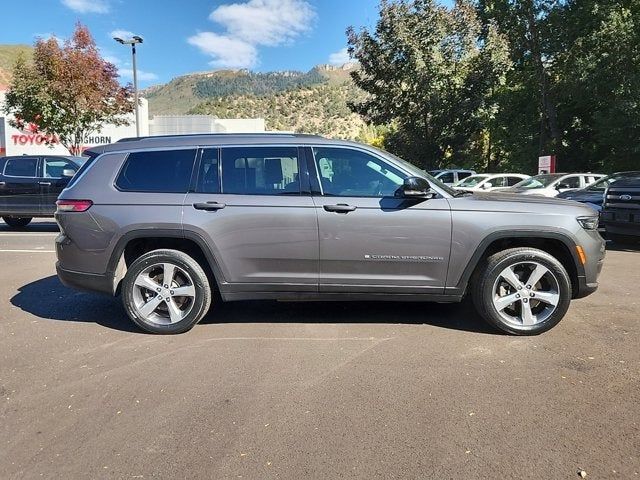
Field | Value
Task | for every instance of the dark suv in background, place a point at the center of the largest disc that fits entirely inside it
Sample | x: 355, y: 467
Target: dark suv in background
x: 172, y: 223
x: 621, y: 209
x: 30, y: 185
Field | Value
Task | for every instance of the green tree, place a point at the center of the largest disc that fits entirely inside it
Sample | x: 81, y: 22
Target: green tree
x: 428, y: 75
x: 67, y: 92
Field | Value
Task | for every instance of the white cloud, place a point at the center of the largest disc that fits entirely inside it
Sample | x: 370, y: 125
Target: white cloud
x: 142, y: 75
x: 340, y: 57
x: 265, y: 22
x: 251, y: 24
x: 87, y: 6
x: 228, y: 52
x: 123, y: 34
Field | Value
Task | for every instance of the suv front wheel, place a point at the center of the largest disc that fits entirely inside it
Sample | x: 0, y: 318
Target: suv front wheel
x: 522, y: 291
x: 166, y: 291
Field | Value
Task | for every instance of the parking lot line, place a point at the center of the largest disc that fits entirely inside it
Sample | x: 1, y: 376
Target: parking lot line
x: 27, y: 251
x: 28, y: 234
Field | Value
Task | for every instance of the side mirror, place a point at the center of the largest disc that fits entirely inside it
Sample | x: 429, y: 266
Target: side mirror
x: 562, y: 186
x: 68, y: 172
x: 488, y: 185
x: 415, y: 187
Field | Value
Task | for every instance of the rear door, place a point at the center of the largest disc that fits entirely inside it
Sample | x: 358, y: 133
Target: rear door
x: 252, y: 205
x: 19, y: 186
x: 370, y: 241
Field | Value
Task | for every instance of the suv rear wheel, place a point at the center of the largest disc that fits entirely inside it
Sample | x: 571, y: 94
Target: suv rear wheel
x: 523, y: 291
x: 17, y: 222
x: 166, y: 291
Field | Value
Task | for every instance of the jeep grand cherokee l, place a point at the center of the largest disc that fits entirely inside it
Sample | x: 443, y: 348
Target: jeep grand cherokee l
x: 176, y: 223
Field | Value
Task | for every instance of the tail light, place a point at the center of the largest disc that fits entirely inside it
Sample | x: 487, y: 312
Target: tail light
x: 73, y: 205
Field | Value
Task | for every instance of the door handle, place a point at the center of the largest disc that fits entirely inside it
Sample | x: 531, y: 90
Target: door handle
x: 209, y: 206
x: 48, y: 184
x: 340, y: 208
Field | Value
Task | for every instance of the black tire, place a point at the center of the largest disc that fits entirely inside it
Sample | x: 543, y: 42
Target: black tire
x: 17, y: 222
x: 200, y: 302
x: 487, y: 275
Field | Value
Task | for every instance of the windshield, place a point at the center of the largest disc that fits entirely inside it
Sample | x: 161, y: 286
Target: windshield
x: 418, y: 172
x: 602, y: 184
x: 539, y: 181
x: 471, y: 181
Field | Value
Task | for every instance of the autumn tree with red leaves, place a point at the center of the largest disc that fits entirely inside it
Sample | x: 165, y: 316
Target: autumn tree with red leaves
x: 68, y: 91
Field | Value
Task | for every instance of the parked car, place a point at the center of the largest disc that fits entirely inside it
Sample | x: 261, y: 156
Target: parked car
x: 168, y: 221
x: 593, y: 195
x: 621, y: 209
x: 485, y: 182
x: 451, y: 176
x: 551, y: 184
x: 30, y: 185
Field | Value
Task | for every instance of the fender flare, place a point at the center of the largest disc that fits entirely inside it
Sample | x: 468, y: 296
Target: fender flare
x: 482, y: 247
x: 116, y: 261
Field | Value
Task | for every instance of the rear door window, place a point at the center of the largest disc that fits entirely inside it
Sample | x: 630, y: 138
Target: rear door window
x: 166, y: 171
x: 571, y: 182
x: 462, y: 175
x: 209, y: 172
x: 446, y: 177
x: 260, y: 171
x: 21, y: 167
x: 511, y: 181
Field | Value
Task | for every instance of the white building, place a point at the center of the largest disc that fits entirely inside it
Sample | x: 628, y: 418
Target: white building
x: 26, y: 142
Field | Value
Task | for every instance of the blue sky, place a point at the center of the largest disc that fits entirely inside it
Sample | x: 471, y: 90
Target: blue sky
x: 197, y: 35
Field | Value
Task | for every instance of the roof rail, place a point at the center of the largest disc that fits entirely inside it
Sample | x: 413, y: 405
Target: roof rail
x: 192, y: 135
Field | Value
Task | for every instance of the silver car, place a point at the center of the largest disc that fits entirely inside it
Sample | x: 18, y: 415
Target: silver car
x: 551, y: 184
x: 174, y: 224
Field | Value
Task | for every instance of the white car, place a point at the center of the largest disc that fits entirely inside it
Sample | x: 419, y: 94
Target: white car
x: 551, y: 184
x: 485, y: 182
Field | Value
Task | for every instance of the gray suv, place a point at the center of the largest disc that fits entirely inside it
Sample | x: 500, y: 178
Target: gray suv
x: 176, y: 223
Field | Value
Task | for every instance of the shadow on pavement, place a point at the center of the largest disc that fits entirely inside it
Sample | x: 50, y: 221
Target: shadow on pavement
x: 33, y: 227
x: 49, y: 299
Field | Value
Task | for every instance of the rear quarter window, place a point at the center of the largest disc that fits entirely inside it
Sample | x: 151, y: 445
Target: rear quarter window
x: 21, y: 167
x: 166, y: 171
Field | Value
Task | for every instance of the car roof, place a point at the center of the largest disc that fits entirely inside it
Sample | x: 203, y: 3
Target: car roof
x: 215, y: 139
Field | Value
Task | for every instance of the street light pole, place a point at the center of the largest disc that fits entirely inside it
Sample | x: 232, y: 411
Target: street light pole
x: 133, y: 41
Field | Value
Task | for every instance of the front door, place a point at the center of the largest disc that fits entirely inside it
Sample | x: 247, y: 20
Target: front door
x: 253, y: 208
x: 370, y: 241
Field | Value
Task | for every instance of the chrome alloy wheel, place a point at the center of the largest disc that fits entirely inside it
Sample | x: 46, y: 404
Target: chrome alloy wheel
x: 526, y: 293
x: 163, y: 294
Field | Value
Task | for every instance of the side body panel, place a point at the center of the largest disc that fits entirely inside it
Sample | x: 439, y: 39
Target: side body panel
x: 88, y: 239
x: 384, y: 245
x: 260, y: 242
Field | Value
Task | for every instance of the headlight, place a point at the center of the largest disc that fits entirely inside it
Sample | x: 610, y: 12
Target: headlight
x: 588, y: 223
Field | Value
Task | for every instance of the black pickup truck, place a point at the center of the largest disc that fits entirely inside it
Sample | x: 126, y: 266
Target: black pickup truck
x: 30, y: 185
x: 621, y: 210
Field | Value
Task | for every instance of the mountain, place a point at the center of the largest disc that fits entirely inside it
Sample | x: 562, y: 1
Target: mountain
x: 310, y: 102
x: 8, y: 56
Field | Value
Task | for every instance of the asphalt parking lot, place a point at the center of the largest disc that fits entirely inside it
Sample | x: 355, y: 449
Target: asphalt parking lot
x: 305, y: 390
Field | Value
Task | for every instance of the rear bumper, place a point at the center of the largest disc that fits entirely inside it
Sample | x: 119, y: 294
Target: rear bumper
x: 89, y: 282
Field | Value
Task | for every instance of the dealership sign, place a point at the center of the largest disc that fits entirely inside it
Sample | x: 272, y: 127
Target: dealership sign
x: 547, y: 164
